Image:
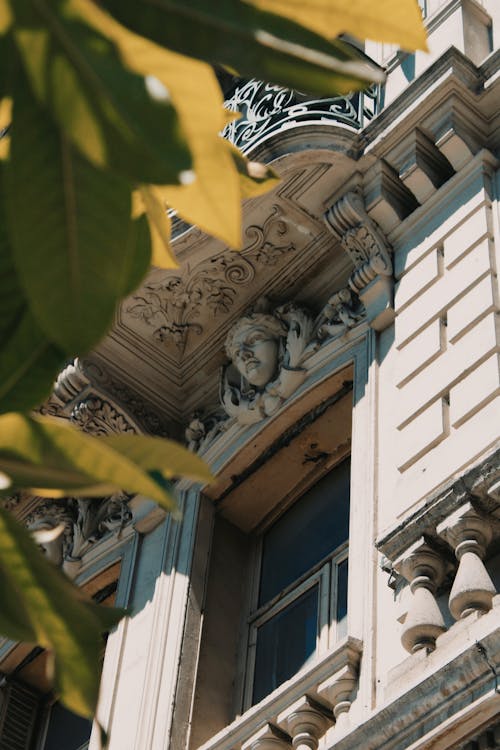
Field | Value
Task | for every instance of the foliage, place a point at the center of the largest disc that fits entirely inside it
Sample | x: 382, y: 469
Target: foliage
x: 108, y: 113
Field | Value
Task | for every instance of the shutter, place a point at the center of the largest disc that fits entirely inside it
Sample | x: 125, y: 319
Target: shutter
x: 18, y: 717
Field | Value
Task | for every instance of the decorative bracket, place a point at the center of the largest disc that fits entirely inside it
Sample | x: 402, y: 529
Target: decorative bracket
x: 370, y: 253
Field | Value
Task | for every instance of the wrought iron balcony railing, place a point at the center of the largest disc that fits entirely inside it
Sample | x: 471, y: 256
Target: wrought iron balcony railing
x: 267, y: 109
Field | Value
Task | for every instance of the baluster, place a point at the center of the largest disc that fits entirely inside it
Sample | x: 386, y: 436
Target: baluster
x: 424, y: 570
x: 267, y: 738
x: 469, y: 532
x: 305, y: 721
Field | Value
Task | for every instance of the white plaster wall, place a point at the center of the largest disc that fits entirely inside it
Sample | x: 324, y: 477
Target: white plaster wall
x: 439, y: 374
x: 459, y: 23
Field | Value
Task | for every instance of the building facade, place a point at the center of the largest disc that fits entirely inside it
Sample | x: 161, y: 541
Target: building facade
x: 336, y: 586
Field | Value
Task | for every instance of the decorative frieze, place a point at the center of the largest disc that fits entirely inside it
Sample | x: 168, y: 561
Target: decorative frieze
x: 370, y: 254
x: 173, y: 307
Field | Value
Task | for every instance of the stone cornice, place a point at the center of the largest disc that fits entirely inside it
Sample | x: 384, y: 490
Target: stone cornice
x: 480, y: 483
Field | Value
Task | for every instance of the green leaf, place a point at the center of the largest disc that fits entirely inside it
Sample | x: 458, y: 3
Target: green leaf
x: 43, y: 606
x: 116, y: 118
x: 54, y: 459
x: 255, y: 43
x: 212, y: 200
x: 136, y: 256
x: 29, y: 363
x: 69, y: 226
x: 166, y: 456
x: 14, y: 615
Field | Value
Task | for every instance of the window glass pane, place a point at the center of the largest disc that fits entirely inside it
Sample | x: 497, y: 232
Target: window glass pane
x: 285, y: 643
x: 315, y: 526
x: 341, y: 615
x: 66, y: 730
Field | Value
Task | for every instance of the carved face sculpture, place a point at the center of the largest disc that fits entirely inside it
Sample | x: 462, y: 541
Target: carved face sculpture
x: 255, y: 353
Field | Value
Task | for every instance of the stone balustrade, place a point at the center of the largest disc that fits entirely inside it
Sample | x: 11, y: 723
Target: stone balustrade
x: 465, y: 533
x: 298, y: 714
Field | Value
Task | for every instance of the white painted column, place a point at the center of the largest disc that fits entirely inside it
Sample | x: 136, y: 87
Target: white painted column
x: 141, y: 665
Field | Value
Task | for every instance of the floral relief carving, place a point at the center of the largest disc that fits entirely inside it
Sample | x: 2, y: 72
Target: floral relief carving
x: 172, y: 307
x: 99, y: 417
x: 80, y: 522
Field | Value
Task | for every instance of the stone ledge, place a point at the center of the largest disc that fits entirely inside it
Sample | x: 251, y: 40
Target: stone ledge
x: 437, y: 697
x: 305, y: 683
x: 478, y: 483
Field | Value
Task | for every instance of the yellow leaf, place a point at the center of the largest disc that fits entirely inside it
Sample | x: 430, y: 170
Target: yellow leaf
x: 394, y: 21
x: 159, y: 226
x: 255, y: 178
x: 5, y: 16
x: 5, y: 121
x: 211, y: 201
x: 138, y: 207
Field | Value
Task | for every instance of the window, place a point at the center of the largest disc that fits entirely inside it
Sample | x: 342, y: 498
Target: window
x: 301, y: 603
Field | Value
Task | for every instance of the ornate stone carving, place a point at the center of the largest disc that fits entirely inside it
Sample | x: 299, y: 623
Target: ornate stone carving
x: 424, y: 569
x: 138, y: 411
x: 342, y: 311
x: 172, y: 306
x: 71, y: 384
x: 99, y: 417
x: 370, y: 253
x: 266, y: 350
x: 82, y: 522
x: 203, y: 428
x: 361, y: 239
x: 268, y: 243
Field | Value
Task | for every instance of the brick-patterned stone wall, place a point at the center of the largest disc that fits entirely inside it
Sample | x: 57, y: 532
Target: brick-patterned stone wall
x: 447, y: 337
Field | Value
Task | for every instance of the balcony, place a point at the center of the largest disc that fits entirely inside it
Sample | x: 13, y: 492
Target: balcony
x: 267, y: 109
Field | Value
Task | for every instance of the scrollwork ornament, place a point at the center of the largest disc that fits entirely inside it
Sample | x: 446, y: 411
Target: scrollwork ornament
x: 172, y: 307
x: 266, y: 109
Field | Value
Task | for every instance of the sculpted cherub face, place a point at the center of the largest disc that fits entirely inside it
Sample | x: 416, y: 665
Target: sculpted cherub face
x: 255, y: 355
